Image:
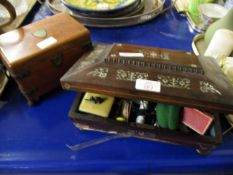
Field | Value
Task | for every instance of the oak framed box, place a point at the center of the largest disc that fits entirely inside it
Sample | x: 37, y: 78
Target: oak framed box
x: 38, y: 54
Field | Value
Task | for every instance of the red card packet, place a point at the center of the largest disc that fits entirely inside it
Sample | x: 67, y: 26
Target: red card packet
x: 197, y: 120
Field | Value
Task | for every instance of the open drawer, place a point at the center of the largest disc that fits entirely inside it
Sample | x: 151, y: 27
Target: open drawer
x: 183, y: 136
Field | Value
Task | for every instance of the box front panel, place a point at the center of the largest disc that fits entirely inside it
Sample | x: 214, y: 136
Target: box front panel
x: 42, y: 73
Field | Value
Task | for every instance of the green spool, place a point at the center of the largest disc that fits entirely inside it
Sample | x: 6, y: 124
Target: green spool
x: 168, y: 116
x: 161, y: 113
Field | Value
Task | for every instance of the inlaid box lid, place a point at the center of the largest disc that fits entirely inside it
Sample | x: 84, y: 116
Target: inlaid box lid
x: 22, y: 44
x: 154, y: 74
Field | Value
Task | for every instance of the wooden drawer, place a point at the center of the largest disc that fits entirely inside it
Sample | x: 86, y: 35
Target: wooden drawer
x: 202, y: 143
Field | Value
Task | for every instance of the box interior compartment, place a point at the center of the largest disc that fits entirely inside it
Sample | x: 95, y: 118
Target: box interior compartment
x: 183, y: 135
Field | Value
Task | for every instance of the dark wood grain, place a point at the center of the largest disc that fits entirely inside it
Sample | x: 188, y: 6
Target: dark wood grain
x: 186, y: 80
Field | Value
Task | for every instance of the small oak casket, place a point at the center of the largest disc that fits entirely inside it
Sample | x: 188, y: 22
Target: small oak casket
x: 38, y: 54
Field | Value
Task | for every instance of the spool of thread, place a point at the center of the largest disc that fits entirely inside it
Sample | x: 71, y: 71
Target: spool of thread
x: 168, y: 116
x: 125, y: 111
x: 141, y: 116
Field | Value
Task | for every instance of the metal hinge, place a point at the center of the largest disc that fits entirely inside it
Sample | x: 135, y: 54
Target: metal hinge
x: 29, y: 92
x: 21, y: 75
x: 58, y: 60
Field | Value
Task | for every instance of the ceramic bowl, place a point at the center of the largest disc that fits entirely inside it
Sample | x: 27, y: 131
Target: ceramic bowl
x: 210, y: 12
x: 105, y: 8
x: 98, y: 6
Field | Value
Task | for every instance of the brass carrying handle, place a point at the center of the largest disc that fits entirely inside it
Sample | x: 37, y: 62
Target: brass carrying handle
x: 10, y: 8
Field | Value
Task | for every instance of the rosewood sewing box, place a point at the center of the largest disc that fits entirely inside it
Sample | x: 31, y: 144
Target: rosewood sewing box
x: 130, y: 72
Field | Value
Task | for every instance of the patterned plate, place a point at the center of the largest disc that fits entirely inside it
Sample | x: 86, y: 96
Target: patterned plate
x: 111, y: 13
x: 98, y: 5
x: 147, y: 11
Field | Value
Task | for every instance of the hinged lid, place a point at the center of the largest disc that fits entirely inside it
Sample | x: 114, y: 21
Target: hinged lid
x: 27, y: 42
x: 175, y: 77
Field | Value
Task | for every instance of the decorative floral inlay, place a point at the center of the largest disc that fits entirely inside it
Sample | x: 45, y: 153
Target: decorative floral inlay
x: 174, y: 82
x: 91, y: 58
x: 155, y: 55
x: 206, y: 87
x: 130, y: 76
x: 101, y: 72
